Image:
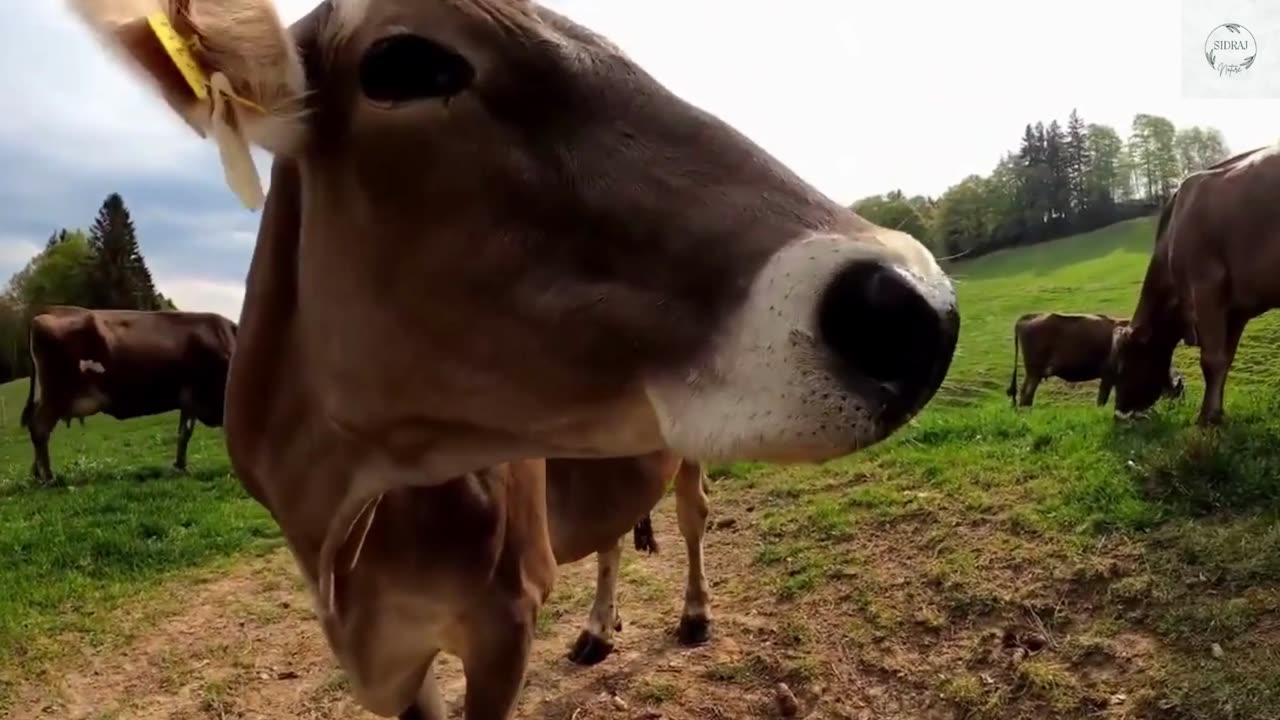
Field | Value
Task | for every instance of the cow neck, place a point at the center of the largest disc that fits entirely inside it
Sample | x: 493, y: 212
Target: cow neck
x: 1157, y: 321
x: 355, y: 505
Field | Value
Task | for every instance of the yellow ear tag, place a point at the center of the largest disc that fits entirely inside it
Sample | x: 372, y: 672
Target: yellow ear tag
x: 237, y: 162
x: 180, y: 53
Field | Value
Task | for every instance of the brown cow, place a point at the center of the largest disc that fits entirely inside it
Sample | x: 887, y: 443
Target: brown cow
x: 1074, y: 347
x: 592, y: 503
x: 1214, y: 267
x: 490, y: 236
x: 126, y: 364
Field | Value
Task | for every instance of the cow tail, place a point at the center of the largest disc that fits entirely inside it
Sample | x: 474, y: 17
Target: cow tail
x: 29, y: 409
x: 1012, y: 392
x: 643, y: 535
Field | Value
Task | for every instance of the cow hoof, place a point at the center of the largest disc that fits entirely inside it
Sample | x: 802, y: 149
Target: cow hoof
x: 694, y: 630
x: 617, y: 624
x: 180, y: 469
x: 590, y: 650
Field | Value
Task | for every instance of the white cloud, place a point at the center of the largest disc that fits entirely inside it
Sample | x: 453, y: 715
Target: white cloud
x: 223, y: 228
x: 197, y: 294
x: 81, y: 108
x: 15, y: 252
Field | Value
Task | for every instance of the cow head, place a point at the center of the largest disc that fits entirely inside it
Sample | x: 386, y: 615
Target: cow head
x: 561, y: 250
x: 1144, y: 370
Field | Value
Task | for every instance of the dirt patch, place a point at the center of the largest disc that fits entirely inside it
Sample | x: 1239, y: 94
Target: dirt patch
x: 895, y: 621
x: 246, y: 645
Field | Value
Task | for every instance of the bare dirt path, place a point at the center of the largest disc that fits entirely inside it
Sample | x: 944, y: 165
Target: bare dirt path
x: 244, y: 644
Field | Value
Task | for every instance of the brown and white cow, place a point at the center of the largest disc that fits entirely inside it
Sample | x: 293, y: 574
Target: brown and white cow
x: 490, y: 236
x: 1071, y: 346
x: 126, y: 364
x: 1214, y: 267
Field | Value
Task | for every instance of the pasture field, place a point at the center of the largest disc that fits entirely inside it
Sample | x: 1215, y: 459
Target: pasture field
x: 985, y: 563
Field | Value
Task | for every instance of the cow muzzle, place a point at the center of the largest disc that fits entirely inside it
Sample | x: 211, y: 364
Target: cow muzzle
x: 886, y: 331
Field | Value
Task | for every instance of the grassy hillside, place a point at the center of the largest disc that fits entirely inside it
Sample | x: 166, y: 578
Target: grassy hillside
x: 1099, y: 271
x: 999, y: 563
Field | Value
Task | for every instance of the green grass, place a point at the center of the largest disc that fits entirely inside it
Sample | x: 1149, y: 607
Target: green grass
x: 1136, y: 547
x: 117, y: 520
x: 1099, y: 271
x: 1158, y: 528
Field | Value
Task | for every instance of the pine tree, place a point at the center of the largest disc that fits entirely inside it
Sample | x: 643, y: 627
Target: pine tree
x: 58, y: 236
x: 145, y: 288
x: 1034, y: 176
x: 1059, y: 186
x: 1029, y: 151
x: 120, y: 278
x: 1078, y: 162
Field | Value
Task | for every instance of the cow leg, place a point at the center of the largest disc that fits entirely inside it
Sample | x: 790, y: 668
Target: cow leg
x: 596, y: 640
x: 692, y: 510
x: 495, y: 668
x: 1104, y: 390
x: 186, y: 426
x: 430, y: 704
x: 1218, y: 344
x: 43, y: 422
x: 1029, y: 385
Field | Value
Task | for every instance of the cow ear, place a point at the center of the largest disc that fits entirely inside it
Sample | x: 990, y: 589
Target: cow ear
x: 225, y: 66
x: 1119, y: 334
x: 1138, y: 335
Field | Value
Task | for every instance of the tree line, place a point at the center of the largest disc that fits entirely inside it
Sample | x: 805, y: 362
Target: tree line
x: 1062, y: 180
x: 102, y: 267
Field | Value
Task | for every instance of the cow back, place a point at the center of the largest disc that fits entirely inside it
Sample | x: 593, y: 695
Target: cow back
x: 1074, y: 347
x: 147, y: 363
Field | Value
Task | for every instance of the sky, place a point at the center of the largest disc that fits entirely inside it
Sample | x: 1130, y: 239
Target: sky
x: 858, y: 97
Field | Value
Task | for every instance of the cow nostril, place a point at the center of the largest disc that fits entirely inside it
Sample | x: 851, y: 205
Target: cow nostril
x: 880, y: 327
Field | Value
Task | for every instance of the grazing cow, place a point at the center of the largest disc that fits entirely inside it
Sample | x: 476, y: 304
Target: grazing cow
x: 126, y: 364
x: 489, y: 237
x: 590, y: 506
x: 1213, y: 268
x: 1074, y: 347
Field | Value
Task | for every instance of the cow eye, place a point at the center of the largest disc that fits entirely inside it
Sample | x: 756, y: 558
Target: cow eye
x: 405, y: 67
